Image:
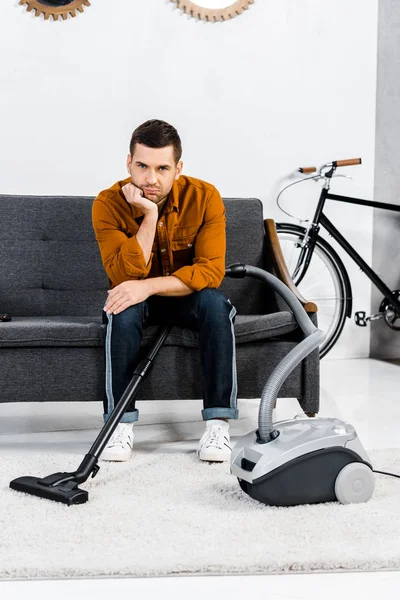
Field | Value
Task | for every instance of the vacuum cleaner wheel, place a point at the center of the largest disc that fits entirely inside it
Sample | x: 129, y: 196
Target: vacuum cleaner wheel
x: 354, y: 484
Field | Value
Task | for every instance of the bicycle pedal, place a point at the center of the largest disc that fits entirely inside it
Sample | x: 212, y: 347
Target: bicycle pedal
x: 360, y: 318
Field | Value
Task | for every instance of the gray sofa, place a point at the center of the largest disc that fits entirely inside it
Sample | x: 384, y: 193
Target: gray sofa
x: 53, y: 284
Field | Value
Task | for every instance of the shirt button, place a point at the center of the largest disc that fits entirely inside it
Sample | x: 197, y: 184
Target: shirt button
x: 163, y: 250
x: 190, y: 245
x: 160, y: 224
x: 167, y: 273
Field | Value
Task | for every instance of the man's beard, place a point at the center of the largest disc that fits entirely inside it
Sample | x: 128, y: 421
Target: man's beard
x: 159, y: 196
x: 150, y: 196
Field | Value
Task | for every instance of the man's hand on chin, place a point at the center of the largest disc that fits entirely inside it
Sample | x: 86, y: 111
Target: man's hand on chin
x: 135, y: 197
x: 126, y: 294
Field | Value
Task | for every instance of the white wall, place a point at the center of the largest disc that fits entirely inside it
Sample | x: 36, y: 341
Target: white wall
x: 289, y: 82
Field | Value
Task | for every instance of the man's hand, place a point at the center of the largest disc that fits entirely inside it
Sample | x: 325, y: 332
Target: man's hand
x: 126, y: 294
x: 134, y: 196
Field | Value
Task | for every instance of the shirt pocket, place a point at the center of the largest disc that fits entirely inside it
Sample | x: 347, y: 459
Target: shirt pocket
x: 183, y: 242
x: 180, y: 233
x: 183, y: 250
x: 184, y: 237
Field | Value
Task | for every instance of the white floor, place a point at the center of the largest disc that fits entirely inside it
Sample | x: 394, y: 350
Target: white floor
x: 364, y: 392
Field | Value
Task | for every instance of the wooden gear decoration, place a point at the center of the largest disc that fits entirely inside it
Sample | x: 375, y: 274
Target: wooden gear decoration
x: 213, y: 14
x: 51, y: 9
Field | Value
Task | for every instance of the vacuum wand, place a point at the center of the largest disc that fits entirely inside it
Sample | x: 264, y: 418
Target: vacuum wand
x: 63, y: 487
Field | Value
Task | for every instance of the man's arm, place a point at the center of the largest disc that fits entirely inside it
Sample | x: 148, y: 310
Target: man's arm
x: 146, y: 233
x: 147, y: 229
x: 208, y: 268
x: 130, y: 293
x: 167, y: 286
x: 124, y: 257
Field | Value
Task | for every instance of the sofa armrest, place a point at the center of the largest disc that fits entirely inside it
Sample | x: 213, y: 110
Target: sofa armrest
x: 279, y: 265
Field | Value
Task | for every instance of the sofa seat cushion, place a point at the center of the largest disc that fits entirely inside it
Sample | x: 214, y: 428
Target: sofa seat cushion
x: 52, y: 331
x: 248, y: 328
x: 90, y: 331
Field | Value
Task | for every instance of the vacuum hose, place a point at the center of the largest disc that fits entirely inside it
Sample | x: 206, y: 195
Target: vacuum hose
x: 314, y: 337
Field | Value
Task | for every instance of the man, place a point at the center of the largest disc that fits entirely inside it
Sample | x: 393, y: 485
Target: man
x: 162, y: 241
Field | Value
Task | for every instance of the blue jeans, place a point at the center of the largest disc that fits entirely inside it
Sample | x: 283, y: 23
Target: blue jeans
x: 210, y: 314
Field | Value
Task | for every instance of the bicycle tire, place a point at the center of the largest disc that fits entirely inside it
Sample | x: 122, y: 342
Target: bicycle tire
x: 335, y: 277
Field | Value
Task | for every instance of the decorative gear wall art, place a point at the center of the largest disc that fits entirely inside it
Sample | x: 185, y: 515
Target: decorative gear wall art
x: 55, y: 8
x: 213, y: 14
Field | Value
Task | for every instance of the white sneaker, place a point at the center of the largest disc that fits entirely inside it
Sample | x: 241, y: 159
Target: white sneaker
x: 215, y: 442
x: 119, y: 447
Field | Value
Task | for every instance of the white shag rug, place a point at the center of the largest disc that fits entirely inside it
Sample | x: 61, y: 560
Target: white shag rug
x: 168, y: 513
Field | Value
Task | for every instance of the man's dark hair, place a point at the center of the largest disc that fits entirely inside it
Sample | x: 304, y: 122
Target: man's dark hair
x: 157, y: 134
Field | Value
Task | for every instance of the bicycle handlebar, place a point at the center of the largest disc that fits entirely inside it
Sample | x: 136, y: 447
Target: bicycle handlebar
x: 347, y: 163
x: 307, y: 169
x: 325, y: 172
x: 336, y: 163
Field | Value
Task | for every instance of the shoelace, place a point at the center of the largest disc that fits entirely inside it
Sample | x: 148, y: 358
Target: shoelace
x: 118, y: 436
x: 215, y: 437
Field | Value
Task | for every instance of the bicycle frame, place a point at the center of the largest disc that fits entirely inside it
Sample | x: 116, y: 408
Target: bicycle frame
x: 321, y: 219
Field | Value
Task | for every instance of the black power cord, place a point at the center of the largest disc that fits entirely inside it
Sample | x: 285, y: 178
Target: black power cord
x: 384, y: 473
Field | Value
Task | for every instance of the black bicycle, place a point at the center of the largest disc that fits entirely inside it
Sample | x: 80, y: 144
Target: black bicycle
x: 317, y: 269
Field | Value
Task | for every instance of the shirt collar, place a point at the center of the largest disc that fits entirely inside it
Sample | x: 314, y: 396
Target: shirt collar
x: 173, y: 198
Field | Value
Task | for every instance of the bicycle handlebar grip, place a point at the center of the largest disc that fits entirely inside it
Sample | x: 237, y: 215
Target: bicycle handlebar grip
x: 307, y: 169
x: 348, y: 162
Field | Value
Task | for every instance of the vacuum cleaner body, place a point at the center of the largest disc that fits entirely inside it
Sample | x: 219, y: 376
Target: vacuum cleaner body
x: 311, y: 460
x: 299, y: 461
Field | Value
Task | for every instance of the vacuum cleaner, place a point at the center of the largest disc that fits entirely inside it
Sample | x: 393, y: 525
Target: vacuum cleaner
x: 63, y: 487
x: 301, y: 460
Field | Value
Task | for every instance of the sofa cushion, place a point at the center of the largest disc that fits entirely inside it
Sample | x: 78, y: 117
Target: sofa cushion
x: 89, y: 331
x: 52, y: 331
x: 248, y: 328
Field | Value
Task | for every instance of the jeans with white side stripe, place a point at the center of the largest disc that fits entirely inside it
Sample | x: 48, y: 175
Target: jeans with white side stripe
x: 210, y: 314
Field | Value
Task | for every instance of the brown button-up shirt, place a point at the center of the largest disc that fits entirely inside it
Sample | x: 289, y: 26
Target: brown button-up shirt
x: 189, y: 241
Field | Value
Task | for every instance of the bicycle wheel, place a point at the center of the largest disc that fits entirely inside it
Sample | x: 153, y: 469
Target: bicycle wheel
x: 324, y: 282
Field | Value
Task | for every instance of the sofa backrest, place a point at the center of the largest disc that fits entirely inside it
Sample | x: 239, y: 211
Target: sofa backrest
x: 51, y: 265
x: 245, y: 243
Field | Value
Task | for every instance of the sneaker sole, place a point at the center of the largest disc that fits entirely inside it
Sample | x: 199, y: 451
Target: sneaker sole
x: 214, y: 457
x: 110, y: 457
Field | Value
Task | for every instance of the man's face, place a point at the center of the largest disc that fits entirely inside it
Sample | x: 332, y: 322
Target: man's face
x: 153, y: 170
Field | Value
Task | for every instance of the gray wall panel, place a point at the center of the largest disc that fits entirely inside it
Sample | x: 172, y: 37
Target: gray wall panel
x: 385, y: 343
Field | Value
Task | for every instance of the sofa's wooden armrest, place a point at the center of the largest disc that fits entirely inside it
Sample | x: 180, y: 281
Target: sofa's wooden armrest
x: 279, y: 265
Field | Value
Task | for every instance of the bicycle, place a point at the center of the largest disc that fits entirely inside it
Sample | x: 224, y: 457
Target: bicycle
x: 313, y: 262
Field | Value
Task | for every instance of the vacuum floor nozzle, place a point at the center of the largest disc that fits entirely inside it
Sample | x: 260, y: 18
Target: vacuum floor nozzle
x: 67, y: 493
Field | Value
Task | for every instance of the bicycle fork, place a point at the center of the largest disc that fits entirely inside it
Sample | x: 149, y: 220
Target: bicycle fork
x: 310, y: 237
x: 307, y: 246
